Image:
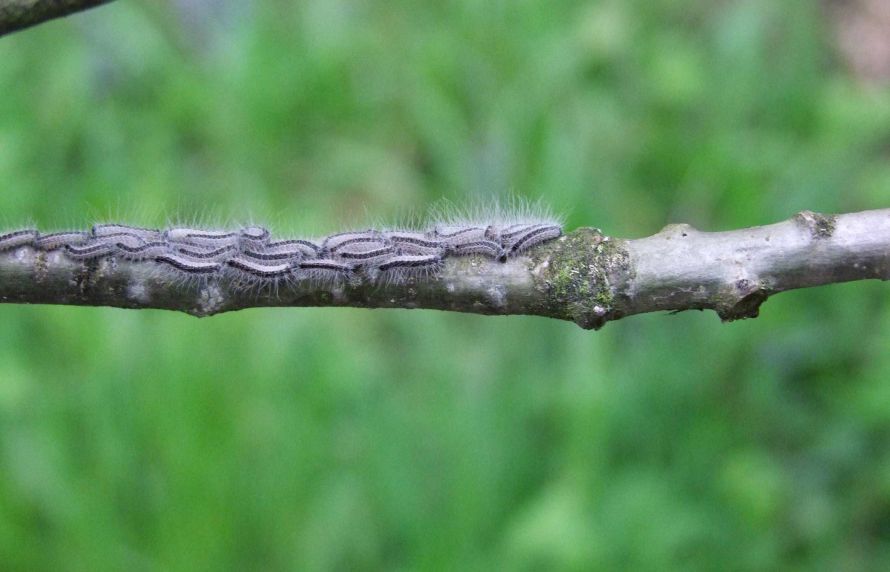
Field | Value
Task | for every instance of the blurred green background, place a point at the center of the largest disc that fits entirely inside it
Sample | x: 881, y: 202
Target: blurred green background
x: 334, y: 439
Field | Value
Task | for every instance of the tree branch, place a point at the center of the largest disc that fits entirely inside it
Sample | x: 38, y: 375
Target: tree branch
x: 584, y: 276
x: 20, y: 14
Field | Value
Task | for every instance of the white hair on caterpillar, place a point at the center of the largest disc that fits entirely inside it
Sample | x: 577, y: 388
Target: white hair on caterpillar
x: 248, y: 256
x: 58, y: 240
x: 16, y: 238
x: 407, y: 267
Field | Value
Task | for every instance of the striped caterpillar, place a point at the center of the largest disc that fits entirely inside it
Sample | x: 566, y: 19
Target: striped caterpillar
x: 250, y: 256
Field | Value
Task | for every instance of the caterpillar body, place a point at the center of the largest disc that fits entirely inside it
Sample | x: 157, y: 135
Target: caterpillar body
x: 342, y: 240
x: 18, y: 238
x: 528, y: 237
x: 451, y: 233
x: 187, y: 266
x: 198, y: 236
x: 485, y: 247
x: 57, y: 240
x: 120, y: 238
x: 279, y: 255
x: 325, y: 270
x: 249, y: 255
x: 145, y: 251
x: 366, y: 260
x: 306, y: 248
x: 220, y: 254
x: 89, y: 252
x: 112, y: 229
x: 409, y: 266
x: 416, y: 243
x: 258, y: 270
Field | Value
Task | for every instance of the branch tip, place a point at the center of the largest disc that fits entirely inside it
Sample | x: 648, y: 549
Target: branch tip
x: 20, y: 14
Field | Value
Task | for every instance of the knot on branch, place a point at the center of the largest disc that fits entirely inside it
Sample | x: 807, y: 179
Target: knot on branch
x: 579, y: 275
x: 677, y: 230
x: 743, y: 301
x: 819, y: 225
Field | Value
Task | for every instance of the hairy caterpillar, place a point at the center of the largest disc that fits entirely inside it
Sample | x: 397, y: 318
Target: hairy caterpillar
x: 416, y: 243
x: 260, y: 270
x: 247, y: 237
x: 306, y: 247
x: 255, y: 236
x: 275, y: 255
x: 57, y: 240
x: 120, y: 238
x: 196, y: 253
x: 112, y: 229
x: 366, y: 258
x: 17, y: 238
x: 341, y: 240
x: 145, y: 251
x: 487, y: 247
x: 188, y: 266
x: 403, y: 267
x: 199, y: 236
x: 528, y: 237
x: 450, y: 233
x: 89, y: 252
x: 324, y: 270
x: 249, y: 255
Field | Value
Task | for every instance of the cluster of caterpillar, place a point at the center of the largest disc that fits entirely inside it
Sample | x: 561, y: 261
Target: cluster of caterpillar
x: 250, y: 255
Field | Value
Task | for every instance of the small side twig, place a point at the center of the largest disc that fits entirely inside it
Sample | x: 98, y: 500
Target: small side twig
x: 20, y: 14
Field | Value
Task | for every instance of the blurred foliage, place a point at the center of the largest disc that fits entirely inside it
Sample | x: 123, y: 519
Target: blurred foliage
x: 328, y: 439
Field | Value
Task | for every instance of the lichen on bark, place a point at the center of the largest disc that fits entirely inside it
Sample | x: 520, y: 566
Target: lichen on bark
x: 578, y: 271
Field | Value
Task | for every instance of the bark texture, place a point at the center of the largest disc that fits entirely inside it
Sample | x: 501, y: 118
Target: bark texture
x: 20, y: 14
x: 584, y: 276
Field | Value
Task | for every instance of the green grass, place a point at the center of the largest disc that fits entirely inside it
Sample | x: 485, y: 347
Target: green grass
x: 329, y: 439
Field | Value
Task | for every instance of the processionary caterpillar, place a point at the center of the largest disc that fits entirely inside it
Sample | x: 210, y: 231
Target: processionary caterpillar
x: 387, y: 256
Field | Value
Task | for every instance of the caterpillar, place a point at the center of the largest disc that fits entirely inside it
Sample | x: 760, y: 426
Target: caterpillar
x: 113, y: 229
x: 146, y: 251
x: 197, y: 253
x: 18, y: 238
x: 533, y: 236
x: 89, y: 252
x: 250, y: 255
x: 486, y: 247
x: 249, y: 237
x: 57, y: 240
x: 306, y: 247
x: 274, y: 256
x: 450, y: 233
x: 341, y: 240
x: 415, y: 243
x: 324, y: 270
x: 188, y: 266
x: 260, y: 270
x: 366, y: 258
x: 125, y: 238
x: 401, y: 268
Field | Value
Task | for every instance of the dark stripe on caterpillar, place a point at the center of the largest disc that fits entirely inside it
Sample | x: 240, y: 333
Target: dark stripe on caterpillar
x: 57, y: 240
x: 260, y: 270
x: 486, y: 247
x: 16, y: 238
x: 188, y: 266
x: 535, y: 237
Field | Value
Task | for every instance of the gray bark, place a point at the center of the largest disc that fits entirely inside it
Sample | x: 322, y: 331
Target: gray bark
x: 584, y: 276
x: 21, y: 14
